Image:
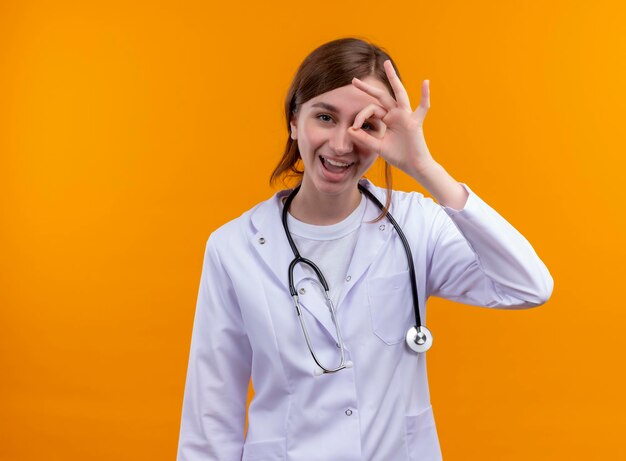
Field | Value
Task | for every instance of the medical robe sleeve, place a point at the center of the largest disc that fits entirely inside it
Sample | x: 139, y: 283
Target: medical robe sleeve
x: 218, y: 372
x: 481, y: 259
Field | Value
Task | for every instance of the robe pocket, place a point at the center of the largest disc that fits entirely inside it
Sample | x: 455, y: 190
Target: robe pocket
x: 421, y: 436
x: 266, y: 450
x: 391, y: 306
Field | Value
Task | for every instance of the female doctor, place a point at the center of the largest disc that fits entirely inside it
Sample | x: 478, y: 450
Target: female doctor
x: 340, y: 374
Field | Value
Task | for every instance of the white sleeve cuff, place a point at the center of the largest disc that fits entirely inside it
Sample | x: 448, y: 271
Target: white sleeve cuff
x: 468, y: 204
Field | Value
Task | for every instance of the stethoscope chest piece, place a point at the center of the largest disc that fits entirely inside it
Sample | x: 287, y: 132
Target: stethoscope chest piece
x: 419, y: 338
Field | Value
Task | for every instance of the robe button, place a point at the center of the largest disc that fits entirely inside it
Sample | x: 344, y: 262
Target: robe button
x: 261, y: 240
x: 382, y: 227
x: 348, y: 278
x: 348, y: 412
x: 302, y: 291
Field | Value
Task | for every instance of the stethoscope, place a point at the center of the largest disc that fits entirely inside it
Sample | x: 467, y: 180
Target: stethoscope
x: 419, y: 338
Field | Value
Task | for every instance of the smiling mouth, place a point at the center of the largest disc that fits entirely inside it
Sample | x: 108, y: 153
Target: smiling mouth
x: 333, y: 165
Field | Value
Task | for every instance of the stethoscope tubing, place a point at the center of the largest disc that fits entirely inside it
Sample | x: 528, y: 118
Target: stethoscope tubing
x: 418, y: 338
x: 407, y: 250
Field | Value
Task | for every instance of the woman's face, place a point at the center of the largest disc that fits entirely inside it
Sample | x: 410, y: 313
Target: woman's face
x: 333, y: 162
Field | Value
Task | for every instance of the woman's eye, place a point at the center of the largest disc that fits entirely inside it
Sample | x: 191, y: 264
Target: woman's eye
x: 327, y: 118
x: 369, y: 126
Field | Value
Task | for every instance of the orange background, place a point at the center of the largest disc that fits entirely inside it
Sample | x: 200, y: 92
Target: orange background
x: 129, y: 132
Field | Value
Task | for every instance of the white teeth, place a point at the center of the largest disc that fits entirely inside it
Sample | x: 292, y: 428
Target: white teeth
x: 334, y: 163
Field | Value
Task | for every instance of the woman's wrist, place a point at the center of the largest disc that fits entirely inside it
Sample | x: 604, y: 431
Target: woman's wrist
x: 443, y: 187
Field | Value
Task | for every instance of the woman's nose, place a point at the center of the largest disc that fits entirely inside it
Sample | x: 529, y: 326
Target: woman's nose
x: 340, y: 141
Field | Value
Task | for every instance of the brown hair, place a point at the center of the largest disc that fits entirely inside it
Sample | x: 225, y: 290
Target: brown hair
x: 330, y: 66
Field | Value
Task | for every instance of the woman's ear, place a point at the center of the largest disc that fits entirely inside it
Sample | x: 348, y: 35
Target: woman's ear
x: 293, y: 128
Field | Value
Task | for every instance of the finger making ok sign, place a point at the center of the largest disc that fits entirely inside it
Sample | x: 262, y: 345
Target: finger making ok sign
x: 403, y: 144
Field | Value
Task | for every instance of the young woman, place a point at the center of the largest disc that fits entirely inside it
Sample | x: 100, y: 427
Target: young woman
x: 340, y: 374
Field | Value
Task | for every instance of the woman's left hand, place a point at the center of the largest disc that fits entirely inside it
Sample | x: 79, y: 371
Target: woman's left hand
x: 403, y: 144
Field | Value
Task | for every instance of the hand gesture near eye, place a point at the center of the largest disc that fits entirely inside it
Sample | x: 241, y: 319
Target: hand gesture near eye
x: 403, y: 144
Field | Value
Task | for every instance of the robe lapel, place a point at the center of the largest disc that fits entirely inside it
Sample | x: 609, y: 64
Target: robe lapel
x: 268, y: 238
x: 270, y: 242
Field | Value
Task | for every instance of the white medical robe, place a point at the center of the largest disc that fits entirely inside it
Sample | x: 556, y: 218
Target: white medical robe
x: 378, y: 409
